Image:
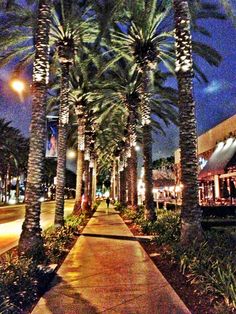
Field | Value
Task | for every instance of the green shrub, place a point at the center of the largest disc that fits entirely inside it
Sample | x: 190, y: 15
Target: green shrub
x: 118, y: 206
x: 212, y: 264
x: 55, y: 242
x: 127, y: 213
x: 21, y: 280
x: 18, y: 284
x: 166, y: 228
x: 147, y: 226
x: 74, y: 221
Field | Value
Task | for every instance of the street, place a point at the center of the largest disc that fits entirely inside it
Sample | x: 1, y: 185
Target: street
x: 12, y: 217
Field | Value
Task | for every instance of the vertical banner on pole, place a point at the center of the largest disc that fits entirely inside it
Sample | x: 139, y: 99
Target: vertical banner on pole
x: 52, y: 138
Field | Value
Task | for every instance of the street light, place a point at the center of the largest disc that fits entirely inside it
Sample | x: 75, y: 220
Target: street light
x: 18, y: 86
x: 71, y: 154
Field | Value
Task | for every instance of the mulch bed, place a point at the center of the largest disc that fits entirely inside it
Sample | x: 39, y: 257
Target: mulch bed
x: 192, y: 295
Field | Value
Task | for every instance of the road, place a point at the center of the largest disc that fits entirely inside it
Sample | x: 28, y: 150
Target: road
x: 12, y: 217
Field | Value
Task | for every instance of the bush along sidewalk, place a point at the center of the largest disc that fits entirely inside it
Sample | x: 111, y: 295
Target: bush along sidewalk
x: 211, y: 265
x: 22, y: 281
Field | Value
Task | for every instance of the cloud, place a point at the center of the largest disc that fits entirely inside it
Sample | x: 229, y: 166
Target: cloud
x: 215, y: 86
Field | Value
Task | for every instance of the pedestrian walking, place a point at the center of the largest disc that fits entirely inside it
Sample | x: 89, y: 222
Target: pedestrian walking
x: 108, y: 202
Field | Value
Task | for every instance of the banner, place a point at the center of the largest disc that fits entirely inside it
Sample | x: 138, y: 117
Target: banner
x: 52, y: 138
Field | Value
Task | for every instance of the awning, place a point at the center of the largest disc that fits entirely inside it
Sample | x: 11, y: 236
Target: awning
x: 219, y: 160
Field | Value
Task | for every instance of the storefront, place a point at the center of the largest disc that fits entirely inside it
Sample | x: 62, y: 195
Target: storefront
x: 164, y: 188
x: 218, y: 178
x: 217, y: 164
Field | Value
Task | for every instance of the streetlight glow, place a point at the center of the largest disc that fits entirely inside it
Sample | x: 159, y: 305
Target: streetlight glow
x: 71, y: 154
x: 18, y: 86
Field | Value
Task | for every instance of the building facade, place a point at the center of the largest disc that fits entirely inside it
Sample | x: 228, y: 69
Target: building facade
x: 217, y: 164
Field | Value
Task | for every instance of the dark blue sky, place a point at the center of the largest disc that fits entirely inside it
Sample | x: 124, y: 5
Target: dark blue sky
x: 215, y: 101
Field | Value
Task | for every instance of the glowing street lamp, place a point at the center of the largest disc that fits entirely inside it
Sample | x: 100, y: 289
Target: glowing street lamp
x: 18, y: 86
x: 71, y: 154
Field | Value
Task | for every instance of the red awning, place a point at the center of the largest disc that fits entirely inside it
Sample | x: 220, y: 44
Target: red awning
x: 219, y: 160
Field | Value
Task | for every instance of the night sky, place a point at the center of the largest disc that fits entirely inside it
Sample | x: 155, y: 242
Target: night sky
x: 215, y: 101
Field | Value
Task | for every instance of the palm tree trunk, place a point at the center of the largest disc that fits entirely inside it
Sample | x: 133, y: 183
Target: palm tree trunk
x: 86, y: 204
x: 133, y: 179
x: 94, y: 180
x: 30, y: 242
x: 5, y: 188
x: 191, y: 214
x: 114, y: 179
x: 147, y: 156
x: 80, y: 158
x: 128, y: 183
x: 122, y: 188
x: 90, y: 185
x: 147, y: 145
x: 79, y: 182
x: 62, y: 136
x: 117, y: 181
x: 17, y: 189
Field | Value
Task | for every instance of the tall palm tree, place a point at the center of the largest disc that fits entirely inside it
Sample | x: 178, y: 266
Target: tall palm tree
x: 30, y: 242
x: 63, y: 32
x: 146, y: 39
x: 70, y: 29
x: 66, y: 55
x: 71, y: 24
x: 120, y: 89
x: 13, y: 156
x: 81, y: 78
x: 145, y: 43
x: 80, y: 112
x: 191, y: 214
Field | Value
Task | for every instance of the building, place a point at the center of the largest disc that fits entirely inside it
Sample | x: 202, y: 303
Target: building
x: 217, y: 164
x: 164, y: 188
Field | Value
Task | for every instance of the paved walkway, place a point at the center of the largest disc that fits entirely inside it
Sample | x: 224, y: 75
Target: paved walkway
x: 107, y: 271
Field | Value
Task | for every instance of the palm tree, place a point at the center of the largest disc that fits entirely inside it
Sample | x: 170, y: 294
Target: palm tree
x: 65, y: 46
x: 79, y: 99
x: 68, y: 26
x: 13, y: 155
x: 229, y: 8
x: 119, y: 89
x: 66, y: 53
x: 80, y: 112
x: 145, y: 38
x: 30, y: 242
x: 71, y: 29
x: 191, y: 214
x: 145, y: 44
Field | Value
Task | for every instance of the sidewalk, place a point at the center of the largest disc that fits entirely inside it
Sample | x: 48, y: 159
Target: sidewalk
x: 107, y: 271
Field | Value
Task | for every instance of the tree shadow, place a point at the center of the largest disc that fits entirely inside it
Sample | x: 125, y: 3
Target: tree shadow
x: 61, y: 298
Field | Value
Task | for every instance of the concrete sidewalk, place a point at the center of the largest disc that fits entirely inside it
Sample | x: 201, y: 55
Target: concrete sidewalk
x: 107, y: 271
